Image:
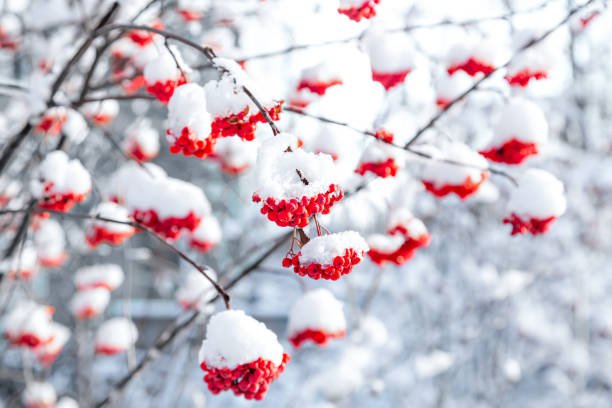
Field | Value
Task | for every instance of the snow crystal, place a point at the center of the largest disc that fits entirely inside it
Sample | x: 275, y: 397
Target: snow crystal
x: 109, y: 276
x: 234, y: 338
x: 539, y: 195
x: 322, y: 250
x: 317, y: 310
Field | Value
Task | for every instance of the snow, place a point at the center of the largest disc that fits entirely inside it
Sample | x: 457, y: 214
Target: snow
x: 66, y: 402
x: 130, y: 176
x: 276, y: 170
x: 50, y: 240
x: 385, y: 243
x: 208, y: 231
x: 487, y: 51
x: 194, y: 5
x: 389, y: 52
x: 117, y: 333
x: 109, y: 276
x: 379, y: 152
x: 224, y: 98
x: 441, y: 173
x: 322, y: 72
x: 404, y: 218
x: 75, y: 128
x: 511, y: 283
x: 142, y: 134
x: 112, y: 211
x: 28, y: 317
x: 39, y: 394
x: 236, y: 153
x: 187, y: 108
x: 67, y: 176
x: 23, y: 262
x: 433, y: 364
x: 322, y: 250
x: 234, y: 338
x: 96, y: 299
x: 521, y: 119
x: 317, y: 310
x: 539, y: 195
x: 449, y: 87
x: 60, y: 335
x: 196, y: 291
x: 163, y: 67
x: 512, y: 369
x: 241, y: 79
x: 107, y: 108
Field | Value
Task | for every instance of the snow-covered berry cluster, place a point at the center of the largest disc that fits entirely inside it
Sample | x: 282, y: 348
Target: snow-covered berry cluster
x: 102, y: 112
x: 10, y: 30
x: 314, y: 83
x: 52, y: 121
x: 141, y: 141
x: 60, y: 183
x: 22, y: 265
x: 113, y: 233
x: 328, y: 256
x: 391, y: 56
x: 206, y: 236
x: 380, y: 158
x: 318, y: 317
x: 235, y: 155
x: 39, y: 394
x: 164, y: 74
x: 357, y: 10
x: 50, y: 243
x: 240, y: 354
x: 474, y: 57
x: 29, y: 324
x: 115, y: 335
x: 94, y: 286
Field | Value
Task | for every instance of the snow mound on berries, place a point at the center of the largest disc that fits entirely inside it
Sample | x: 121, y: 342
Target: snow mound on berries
x: 322, y: 72
x: 236, y: 154
x: 144, y: 136
x: 389, y: 51
x: 67, y: 176
x: 39, y: 394
x: 66, y: 402
x: 109, y: 276
x: 130, y: 176
x: 187, y: 108
x: 322, y: 250
x: 47, y: 352
x: 441, y: 173
x: 521, y: 119
x: 118, y: 333
x: 50, y: 240
x: 22, y: 264
x: 196, y: 291
x: 28, y: 318
x: 276, y: 170
x: 112, y: 211
x: 164, y: 67
x: 101, y: 111
x: 234, y: 338
x: 224, y: 97
x: 317, y: 309
x: 403, y: 219
x: 90, y: 302
x: 208, y: 231
x: 539, y: 195
x: 75, y: 128
x: 385, y: 243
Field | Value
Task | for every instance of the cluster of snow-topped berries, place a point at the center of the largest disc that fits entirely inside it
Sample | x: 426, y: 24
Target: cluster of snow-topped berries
x: 141, y: 141
x: 102, y: 112
x: 314, y: 83
x: 328, y: 256
x: 192, y: 10
x: 535, y: 203
x: 519, y: 133
x: 293, y: 185
x: 10, y: 32
x: 165, y: 73
x: 61, y: 120
x: 115, y: 335
x: 50, y: 243
x: 112, y: 233
x: 164, y: 204
x: 317, y: 317
x: 240, y: 354
x: 533, y: 64
x: 450, y: 87
x: 405, y: 234
x: 380, y: 158
x: 60, y: 183
x: 196, y: 291
x: 94, y: 286
x: 206, y: 236
x: 22, y: 265
x: 457, y: 170
x: 52, y: 121
x: 357, y: 10
x: 391, y: 56
x: 474, y: 57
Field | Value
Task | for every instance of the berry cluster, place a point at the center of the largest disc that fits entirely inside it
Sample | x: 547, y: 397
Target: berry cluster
x: 513, y: 151
x: 402, y: 254
x: 523, y: 77
x: 108, y: 350
x: 51, y: 124
x: 388, y: 168
x: 534, y: 226
x: 189, y: 146
x: 242, y: 124
x: 341, y: 265
x: 319, y: 337
x: 390, y: 79
x: 464, y: 190
x: 137, y: 153
x: 366, y: 10
x: 98, y: 235
x: 472, y: 67
x: 202, y: 246
x: 250, y: 380
x: 169, y: 227
x: 318, y: 87
x: 29, y: 340
x: 296, y: 212
x: 143, y: 37
x: 384, y: 135
x: 188, y: 15
x: 163, y: 90
x: 61, y: 202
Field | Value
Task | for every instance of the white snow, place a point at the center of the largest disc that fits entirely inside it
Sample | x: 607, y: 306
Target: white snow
x: 117, y: 333
x: 276, y: 170
x: 441, y: 173
x: 67, y: 176
x: 236, y: 152
x: 50, y: 240
x: 385, y: 243
x: 323, y: 249
x: 142, y: 134
x: 111, y: 211
x: 196, y: 291
x: 487, y: 51
x: 512, y: 370
x: 224, y: 98
x: 106, y: 108
x: 404, y: 218
x: 39, y: 394
x: 28, y: 317
x: 316, y: 310
x: 432, y: 364
x: 234, y: 338
x: 109, y: 276
x: 539, y: 195
x: 322, y: 72
x: 187, y: 108
x: 66, y: 402
x: 75, y: 128
x: 130, y: 176
x: 60, y: 335
x: 389, y: 52
x: 208, y: 231
x: 163, y: 67
x: 449, y: 87
x: 23, y: 262
x: 521, y: 119
x: 96, y: 299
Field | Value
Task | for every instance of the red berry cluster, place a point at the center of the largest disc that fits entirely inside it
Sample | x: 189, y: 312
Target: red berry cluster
x: 366, y: 10
x: 390, y: 79
x: 107, y: 350
x: 131, y: 86
x: 190, y: 146
x: 189, y: 16
x: 143, y: 37
x: 318, y: 87
x: 51, y: 124
x: 23, y: 274
x: 401, y: 255
x: 295, y: 212
x: 135, y: 152
x: 202, y: 246
x: 341, y: 265
x: 523, y: 77
x: 388, y: 168
x: 29, y: 340
x: 98, y: 235
x: 384, y: 135
x: 319, y: 337
x: 250, y: 380
x: 472, y: 67
x: 464, y: 190
x: 242, y: 124
x: 513, y: 151
x: 61, y: 202
x: 234, y: 170
x: 168, y: 227
x: 534, y: 226
x: 442, y: 103
x: 163, y: 90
